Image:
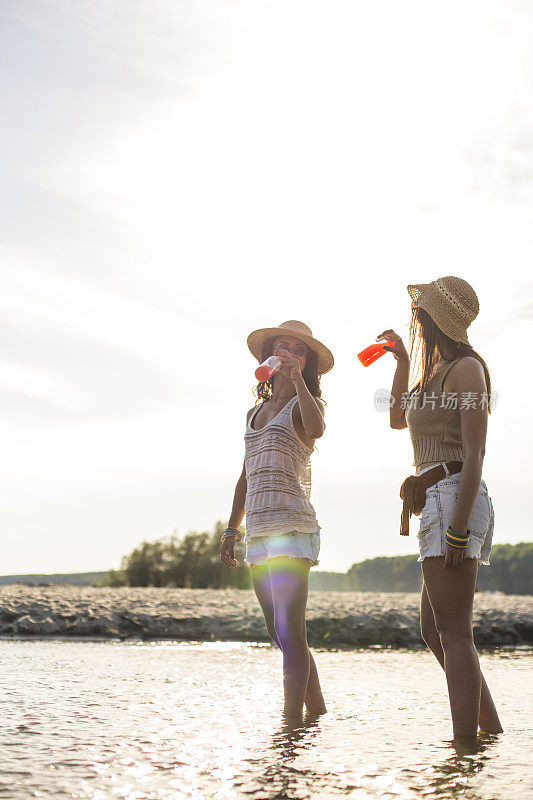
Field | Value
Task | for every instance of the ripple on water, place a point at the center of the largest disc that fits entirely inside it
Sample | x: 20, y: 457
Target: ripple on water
x: 171, y: 720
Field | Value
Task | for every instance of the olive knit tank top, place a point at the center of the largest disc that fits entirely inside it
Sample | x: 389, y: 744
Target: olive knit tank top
x: 278, y: 476
x: 434, y: 422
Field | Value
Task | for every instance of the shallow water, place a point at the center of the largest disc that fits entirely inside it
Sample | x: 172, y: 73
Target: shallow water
x: 140, y: 720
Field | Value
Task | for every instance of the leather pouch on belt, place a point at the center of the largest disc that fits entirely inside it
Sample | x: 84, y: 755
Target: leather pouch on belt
x: 413, y: 494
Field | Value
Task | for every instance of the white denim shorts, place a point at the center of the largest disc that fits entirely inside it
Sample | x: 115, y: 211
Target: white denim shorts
x: 292, y: 545
x: 437, y: 514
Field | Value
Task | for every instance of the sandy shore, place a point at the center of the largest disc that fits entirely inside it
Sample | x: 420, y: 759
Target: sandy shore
x: 334, y: 618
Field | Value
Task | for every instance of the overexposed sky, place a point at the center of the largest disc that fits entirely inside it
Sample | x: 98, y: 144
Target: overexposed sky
x: 177, y: 174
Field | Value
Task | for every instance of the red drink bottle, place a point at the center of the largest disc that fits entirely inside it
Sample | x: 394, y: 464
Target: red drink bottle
x: 265, y: 370
x: 373, y: 352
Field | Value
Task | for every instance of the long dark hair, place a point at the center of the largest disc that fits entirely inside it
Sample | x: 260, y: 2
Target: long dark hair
x: 434, y: 341
x: 264, y: 389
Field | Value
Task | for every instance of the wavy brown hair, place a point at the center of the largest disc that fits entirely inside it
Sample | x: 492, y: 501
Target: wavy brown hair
x: 264, y: 389
x: 434, y: 341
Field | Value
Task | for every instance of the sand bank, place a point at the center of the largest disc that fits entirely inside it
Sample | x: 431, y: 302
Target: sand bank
x: 359, y: 619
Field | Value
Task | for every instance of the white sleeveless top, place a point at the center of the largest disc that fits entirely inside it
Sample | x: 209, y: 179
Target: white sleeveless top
x: 278, y: 475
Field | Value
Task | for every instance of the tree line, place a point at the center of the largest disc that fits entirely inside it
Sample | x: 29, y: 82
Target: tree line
x: 510, y: 571
x: 192, y: 561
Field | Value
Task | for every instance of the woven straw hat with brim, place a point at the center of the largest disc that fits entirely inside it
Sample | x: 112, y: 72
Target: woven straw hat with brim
x: 451, y: 303
x: 300, y: 331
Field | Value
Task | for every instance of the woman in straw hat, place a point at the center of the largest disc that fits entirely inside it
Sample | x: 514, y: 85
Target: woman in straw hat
x: 446, y: 412
x: 282, y: 533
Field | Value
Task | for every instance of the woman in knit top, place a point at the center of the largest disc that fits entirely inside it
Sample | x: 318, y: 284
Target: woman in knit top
x: 282, y: 532
x: 447, y: 413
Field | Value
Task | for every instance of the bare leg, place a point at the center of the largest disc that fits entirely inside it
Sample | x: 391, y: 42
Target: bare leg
x: 289, y: 581
x: 488, y: 716
x: 451, y: 595
x: 314, y: 700
x: 261, y: 583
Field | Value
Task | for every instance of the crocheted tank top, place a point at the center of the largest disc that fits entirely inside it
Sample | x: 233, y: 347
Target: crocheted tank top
x: 278, y: 475
x: 434, y: 422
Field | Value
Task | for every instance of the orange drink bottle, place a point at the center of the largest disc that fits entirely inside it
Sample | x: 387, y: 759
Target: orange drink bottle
x: 373, y: 352
x: 265, y: 370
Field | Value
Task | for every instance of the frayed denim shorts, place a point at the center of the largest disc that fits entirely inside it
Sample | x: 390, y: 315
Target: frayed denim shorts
x: 437, y: 514
x: 292, y: 545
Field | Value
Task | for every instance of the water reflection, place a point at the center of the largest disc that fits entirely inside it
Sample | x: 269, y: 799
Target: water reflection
x: 94, y: 721
x: 283, y: 770
x: 293, y: 731
x: 276, y: 773
x: 454, y: 775
x: 457, y: 774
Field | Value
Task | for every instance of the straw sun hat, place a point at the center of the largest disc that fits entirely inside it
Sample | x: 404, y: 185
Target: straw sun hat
x: 451, y: 303
x: 300, y: 331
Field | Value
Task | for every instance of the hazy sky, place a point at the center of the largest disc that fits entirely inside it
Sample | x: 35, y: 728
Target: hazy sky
x: 177, y: 174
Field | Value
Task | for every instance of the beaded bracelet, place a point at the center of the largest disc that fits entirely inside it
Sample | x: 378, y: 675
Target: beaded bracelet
x: 233, y: 533
x: 455, y: 540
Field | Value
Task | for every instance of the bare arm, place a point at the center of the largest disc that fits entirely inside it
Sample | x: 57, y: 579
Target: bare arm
x: 239, y: 496
x: 468, y: 376
x: 399, y: 387
x: 310, y: 409
x: 227, y: 547
x: 400, y: 380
